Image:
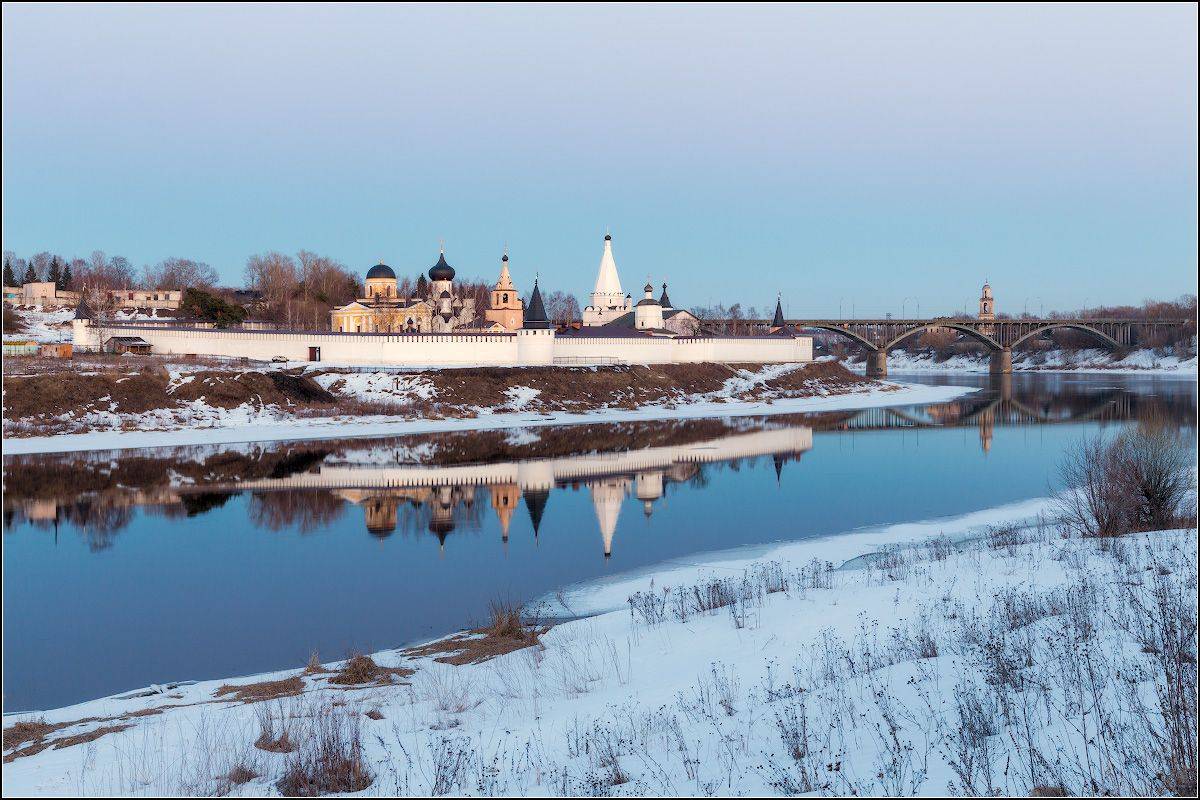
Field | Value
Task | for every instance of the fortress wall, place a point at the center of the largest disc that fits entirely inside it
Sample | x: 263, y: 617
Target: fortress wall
x: 500, y: 349
x: 381, y: 349
x: 690, y: 350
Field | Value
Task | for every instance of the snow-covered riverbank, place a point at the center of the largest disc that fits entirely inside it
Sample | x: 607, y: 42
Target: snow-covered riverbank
x: 952, y: 660
x: 1138, y: 362
x: 246, y: 424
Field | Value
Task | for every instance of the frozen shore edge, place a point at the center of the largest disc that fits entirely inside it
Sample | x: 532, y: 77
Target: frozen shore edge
x: 890, y: 394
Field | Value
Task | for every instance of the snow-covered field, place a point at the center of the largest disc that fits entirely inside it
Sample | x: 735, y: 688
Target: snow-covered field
x: 200, y: 423
x: 966, y: 655
x: 1137, y: 362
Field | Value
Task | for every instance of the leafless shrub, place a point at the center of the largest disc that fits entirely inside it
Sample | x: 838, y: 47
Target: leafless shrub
x: 329, y: 759
x: 1140, y: 480
x: 939, y: 547
x: 650, y: 606
x: 274, y: 728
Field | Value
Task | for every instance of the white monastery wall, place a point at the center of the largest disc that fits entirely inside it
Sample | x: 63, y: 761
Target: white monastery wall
x: 522, y: 348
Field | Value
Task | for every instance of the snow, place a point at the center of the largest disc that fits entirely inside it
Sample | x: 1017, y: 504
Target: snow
x: 858, y: 680
x: 43, y: 326
x: 1138, y: 362
x: 202, y: 424
x: 384, y: 387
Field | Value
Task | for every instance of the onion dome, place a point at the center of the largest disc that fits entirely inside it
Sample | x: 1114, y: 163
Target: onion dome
x: 535, y: 315
x: 381, y: 270
x: 441, y: 271
x: 648, y: 300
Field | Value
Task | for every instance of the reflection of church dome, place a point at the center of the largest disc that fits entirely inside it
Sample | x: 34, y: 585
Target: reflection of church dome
x: 382, y: 530
x: 441, y: 271
x: 381, y: 270
x: 441, y: 526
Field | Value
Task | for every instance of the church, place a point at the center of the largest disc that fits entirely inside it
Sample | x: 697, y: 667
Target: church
x: 614, y: 310
x: 440, y: 325
x: 440, y: 309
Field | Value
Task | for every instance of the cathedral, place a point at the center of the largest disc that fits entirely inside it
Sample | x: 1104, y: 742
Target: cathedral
x: 440, y: 310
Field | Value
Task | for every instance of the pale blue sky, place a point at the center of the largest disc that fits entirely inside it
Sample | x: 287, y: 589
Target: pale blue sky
x: 855, y: 154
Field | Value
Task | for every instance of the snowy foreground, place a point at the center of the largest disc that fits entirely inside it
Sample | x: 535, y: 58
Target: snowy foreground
x: 1138, y: 362
x: 966, y: 655
x: 212, y: 425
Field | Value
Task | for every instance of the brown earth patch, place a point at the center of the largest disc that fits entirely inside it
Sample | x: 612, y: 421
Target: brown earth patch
x: 362, y: 669
x: 36, y: 731
x: 35, y: 401
x: 476, y: 646
x: 263, y: 690
x: 90, y: 736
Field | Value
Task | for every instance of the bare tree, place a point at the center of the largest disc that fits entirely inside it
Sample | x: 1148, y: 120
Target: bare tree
x: 180, y: 273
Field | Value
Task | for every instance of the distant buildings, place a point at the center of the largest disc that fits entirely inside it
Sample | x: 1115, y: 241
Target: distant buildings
x: 42, y: 294
x: 46, y: 295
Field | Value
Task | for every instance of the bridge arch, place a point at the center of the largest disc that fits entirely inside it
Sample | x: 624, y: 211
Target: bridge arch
x: 983, y: 338
x: 849, y: 334
x: 1108, y: 341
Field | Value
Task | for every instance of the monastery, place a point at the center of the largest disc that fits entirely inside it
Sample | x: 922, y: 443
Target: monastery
x: 437, y: 326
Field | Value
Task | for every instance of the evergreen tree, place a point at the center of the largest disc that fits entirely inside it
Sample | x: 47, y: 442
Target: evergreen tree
x: 10, y: 279
x: 54, y: 274
x: 30, y: 275
x: 67, y: 278
x: 422, y: 286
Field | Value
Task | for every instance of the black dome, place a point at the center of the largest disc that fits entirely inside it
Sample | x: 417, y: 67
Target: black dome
x: 381, y: 271
x: 441, y: 271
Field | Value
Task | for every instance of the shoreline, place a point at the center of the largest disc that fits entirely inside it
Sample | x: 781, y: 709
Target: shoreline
x: 889, y: 394
x: 1086, y: 362
x: 607, y: 595
x: 891, y: 633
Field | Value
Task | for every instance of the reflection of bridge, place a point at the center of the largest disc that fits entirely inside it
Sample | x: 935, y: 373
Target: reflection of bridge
x: 999, y: 336
x: 996, y: 407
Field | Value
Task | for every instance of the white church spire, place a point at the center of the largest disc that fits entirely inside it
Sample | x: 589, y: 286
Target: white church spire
x: 608, y: 283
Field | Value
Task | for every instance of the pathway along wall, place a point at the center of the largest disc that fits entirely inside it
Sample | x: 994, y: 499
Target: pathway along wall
x: 522, y: 348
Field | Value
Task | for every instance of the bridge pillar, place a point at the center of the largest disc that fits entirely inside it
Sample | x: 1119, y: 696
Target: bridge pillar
x: 1002, y: 362
x: 877, y: 364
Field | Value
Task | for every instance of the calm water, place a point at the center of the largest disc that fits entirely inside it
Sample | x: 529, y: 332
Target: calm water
x: 127, y: 568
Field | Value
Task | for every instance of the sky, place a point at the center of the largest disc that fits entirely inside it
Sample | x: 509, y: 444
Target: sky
x: 854, y: 159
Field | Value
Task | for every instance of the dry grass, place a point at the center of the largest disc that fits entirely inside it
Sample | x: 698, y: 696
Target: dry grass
x: 361, y: 669
x: 240, y: 774
x: 263, y: 690
x: 330, y: 759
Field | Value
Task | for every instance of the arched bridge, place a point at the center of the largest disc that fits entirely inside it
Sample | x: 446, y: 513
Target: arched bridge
x: 1000, y: 336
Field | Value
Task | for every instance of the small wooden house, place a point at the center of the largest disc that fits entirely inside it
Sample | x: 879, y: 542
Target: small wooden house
x: 56, y: 350
x: 127, y: 344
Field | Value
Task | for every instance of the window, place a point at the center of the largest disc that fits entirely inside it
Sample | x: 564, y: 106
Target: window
x: 506, y: 299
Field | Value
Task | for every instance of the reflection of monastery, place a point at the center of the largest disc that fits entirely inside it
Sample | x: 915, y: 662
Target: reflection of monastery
x: 443, y: 494
x: 436, y: 325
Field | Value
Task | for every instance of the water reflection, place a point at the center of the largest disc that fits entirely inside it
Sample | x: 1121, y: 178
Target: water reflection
x: 436, y: 485
x: 185, y: 555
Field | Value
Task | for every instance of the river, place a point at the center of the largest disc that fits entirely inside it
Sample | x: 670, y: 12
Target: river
x: 124, y: 569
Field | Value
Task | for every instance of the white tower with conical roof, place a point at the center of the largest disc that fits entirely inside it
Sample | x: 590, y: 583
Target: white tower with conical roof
x: 608, y: 299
